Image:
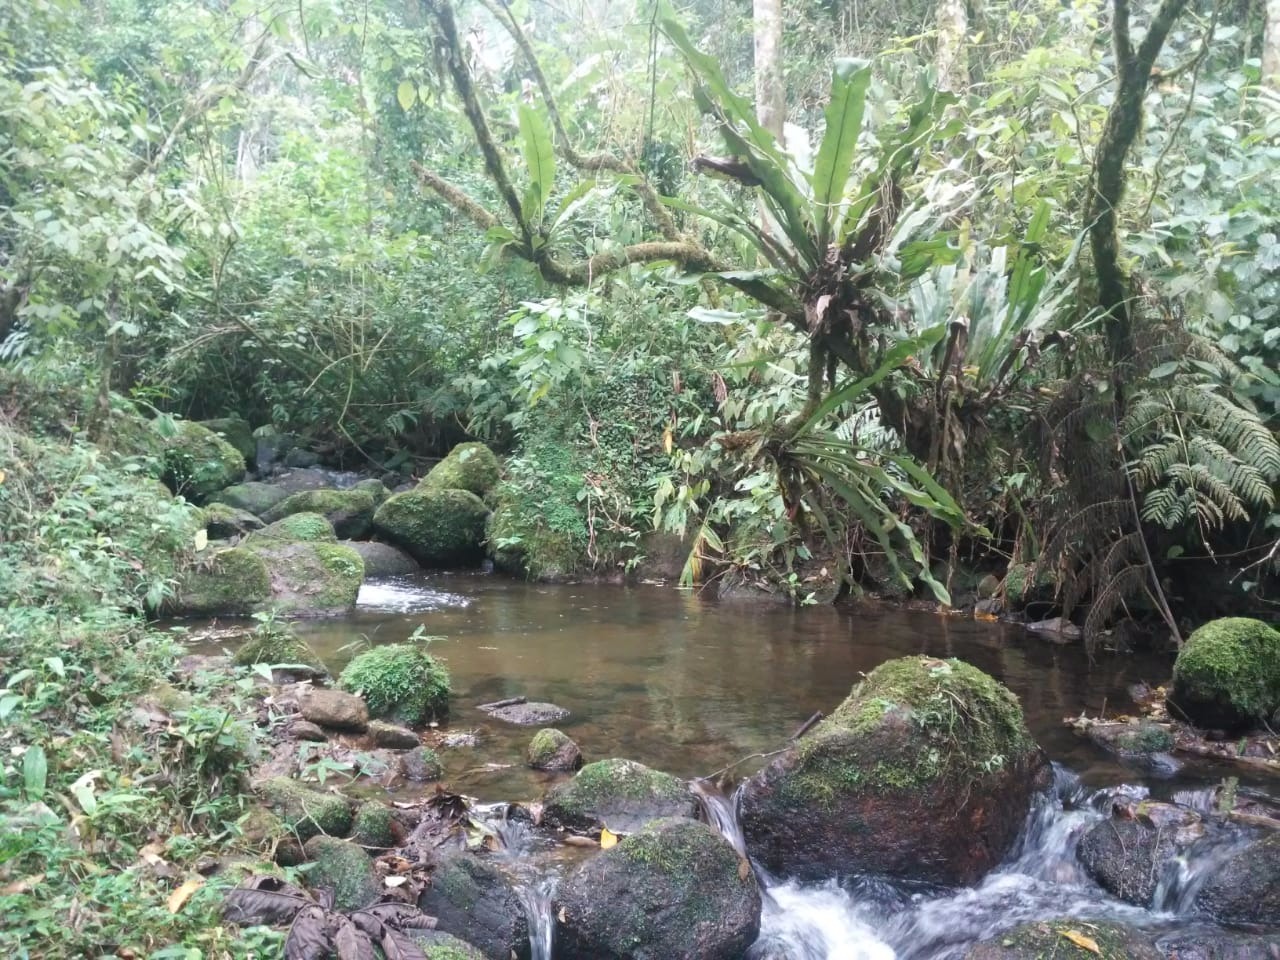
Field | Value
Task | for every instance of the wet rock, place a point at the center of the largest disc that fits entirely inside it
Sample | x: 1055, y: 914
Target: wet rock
x: 306, y: 812
x: 334, y: 708
x: 1128, y: 854
x: 306, y: 730
x: 270, y: 446
x: 1227, y: 675
x: 375, y: 827
x: 674, y: 891
x: 445, y: 946
x: 254, y: 497
x: 349, y: 512
x: 990, y: 607
x: 1246, y: 888
x: 925, y: 772
x: 438, y: 528
x: 313, y: 478
x: 1214, y: 943
x: 475, y: 901
x: 344, y: 868
x: 552, y: 750
x: 312, y: 579
x: 421, y: 765
x: 400, y: 682
x: 460, y: 741
x: 226, y: 582
x: 392, y: 736
x: 1055, y: 630
x: 382, y: 559
x: 529, y: 714
x: 469, y: 466
x: 224, y: 522
x: 1061, y: 940
x: 621, y: 794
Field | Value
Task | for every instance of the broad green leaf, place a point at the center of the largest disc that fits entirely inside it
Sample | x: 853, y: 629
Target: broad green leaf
x: 35, y: 771
x: 574, y: 199
x: 831, y: 170
x: 540, y: 158
x: 406, y: 94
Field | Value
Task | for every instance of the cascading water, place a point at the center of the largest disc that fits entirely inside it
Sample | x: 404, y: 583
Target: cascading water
x: 537, y: 899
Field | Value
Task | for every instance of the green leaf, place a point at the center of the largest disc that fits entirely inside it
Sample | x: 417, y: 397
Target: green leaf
x: 574, y: 199
x: 35, y: 771
x: 406, y: 94
x: 831, y: 170
x: 1166, y: 369
x: 540, y: 158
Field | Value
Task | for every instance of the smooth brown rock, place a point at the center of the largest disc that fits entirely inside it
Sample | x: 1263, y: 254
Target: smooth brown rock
x: 333, y: 708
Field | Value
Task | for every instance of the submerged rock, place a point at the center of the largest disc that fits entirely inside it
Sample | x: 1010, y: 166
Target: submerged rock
x: 621, y: 794
x: 438, y: 528
x: 475, y: 901
x: 469, y: 466
x: 382, y: 559
x: 925, y: 772
x: 1227, y: 675
x: 1128, y: 854
x: 344, y: 868
x: 529, y: 714
x: 1068, y: 938
x: 1246, y: 888
x: 676, y: 890
x: 552, y: 750
x: 349, y: 512
x: 421, y: 765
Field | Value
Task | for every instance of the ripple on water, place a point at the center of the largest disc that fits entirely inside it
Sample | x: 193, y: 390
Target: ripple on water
x: 402, y: 595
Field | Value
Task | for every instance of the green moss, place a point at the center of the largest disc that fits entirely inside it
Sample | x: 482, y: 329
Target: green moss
x: 1228, y: 674
x: 309, y: 578
x: 442, y: 946
x: 609, y: 781
x: 1021, y: 581
x: 439, y: 528
x: 1049, y: 940
x: 349, y: 511
x: 224, y: 521
x: 344, y: 868
x: 234, y: 581
x: 456, y: 882
x: 374, y: 827
x: 469, y: 466
x: 273, y: 643
x: 1147, y: 738
x: 198, y: 463
x: 309, y: 527
x: 306, y: 812
x: 236, y: 432
x: 544, y: 745
x: 401, y: 682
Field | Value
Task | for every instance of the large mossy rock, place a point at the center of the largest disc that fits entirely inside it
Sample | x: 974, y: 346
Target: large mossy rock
x: 676, y: 890
x: 306, y: 812
x: 382, y: 559
x: 620, y: 794
x: 236, y: 432
x: 469, y: 466
x: 198, y: 463
x: 349, y: 512
x: 226, y: 583
x: 1067, y: 939
x: 474, y: 900
x: 438, y: 528
x: 925, y: 772
x: 310, y: 579
x: 400, y: 682
x: 254, y: 496
x: 225, y: 522
x: 1128, y: 854
x: 436, y: 945
x: 310, y: 527
x: 1246, y: 888
x: 1227, y: 675
x: 344, y: 868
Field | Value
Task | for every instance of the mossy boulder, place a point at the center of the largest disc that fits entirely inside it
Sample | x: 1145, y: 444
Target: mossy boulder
x: 271, y: 644
x: 552, y: 750
x: 1024, y: 582
x: 1227, y: 675
x: 1246, y: 888
x: 310, y: 527
x: 198, y: 463
x: 310, y: 579
x: 382, y: 559
x: 676, y: 890
x: 344, y: 868
x: 474, y: 900
x: 224, y: 521
x: 926, y: 772
x: 1062, y: 940
x: 621, y: 794
x: 401, y: 682
x: 226, y: 582
x: 254, y: 496
x: 1127, y: 855
x: 373, y: 487
x: 306, y: 812
x: 421, y: 765
x: 436, y: 945
x: 236, y: 432
x: 469, y: 466
x: 349, y: 512
x: 438, y: 528
x: 375, y: 826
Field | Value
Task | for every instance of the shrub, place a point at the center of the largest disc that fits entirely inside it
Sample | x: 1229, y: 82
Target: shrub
x: 401, y: 682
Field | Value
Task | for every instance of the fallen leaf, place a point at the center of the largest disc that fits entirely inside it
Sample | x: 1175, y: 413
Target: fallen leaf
x: 607, y: 838
x: 573, y: 841
x: 1081, y: 941
x: 744, y: 869
x: 563, y: 918
x: 183, y: 893
x: 21, y: 886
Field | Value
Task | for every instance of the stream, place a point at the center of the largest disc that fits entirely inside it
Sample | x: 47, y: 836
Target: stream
x: 690, y: 686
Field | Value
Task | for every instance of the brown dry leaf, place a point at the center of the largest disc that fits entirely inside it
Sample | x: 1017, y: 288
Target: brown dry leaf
x: 1081, y: 941
x: 607, y: 838
x: 21, y: 886
x: 983, y: 615
x: 575, y: 841
x: 744, y: 869
x: 183, y: 893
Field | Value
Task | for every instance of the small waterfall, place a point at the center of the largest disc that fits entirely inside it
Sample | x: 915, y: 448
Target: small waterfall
x: 537, y: 900
x: 815, y: 922
x: 721, y: 812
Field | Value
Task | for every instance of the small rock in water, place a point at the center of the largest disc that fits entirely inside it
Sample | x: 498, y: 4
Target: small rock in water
x: 420, y: 765
x: 333, y: 708
x: 552, y: 750
x: 460, y: 741
x: 529, y: 714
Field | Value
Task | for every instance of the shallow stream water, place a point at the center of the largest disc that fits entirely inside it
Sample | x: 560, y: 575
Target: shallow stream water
x: 691, y: 686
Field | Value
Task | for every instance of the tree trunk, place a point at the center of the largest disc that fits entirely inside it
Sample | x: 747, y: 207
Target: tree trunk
x: 951, y: 57
x: 1271, y: 46
x: 771, y: 109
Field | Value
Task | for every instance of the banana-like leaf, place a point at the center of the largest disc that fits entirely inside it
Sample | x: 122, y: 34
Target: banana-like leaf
x: 831, y: 170
x: 540, y: 158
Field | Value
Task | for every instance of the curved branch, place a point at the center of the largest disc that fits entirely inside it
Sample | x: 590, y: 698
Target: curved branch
x: 455, y: 197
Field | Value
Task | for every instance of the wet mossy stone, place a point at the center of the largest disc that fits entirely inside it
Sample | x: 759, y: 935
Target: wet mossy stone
x: 306, y: 812
x: 224, y: 521
x: 382, y: 559
x: 227, y: 583
x: 198, y: 463
x: 550, y: 749
x: 1042, y: 939
x: 400, y: 682
x: 1227, y: 675
x: 374, y: 488
x: 349, y: 512
x: 436, y: 945
x: 254, y: 496
x: 620, y: 794
x: 438, y: 528
x: 1025, y: 582
x: 1246, y: 888
x: 1127, y: 855
x: 272, y: 644
x: 374, y: 827
x: 469, y: 466
x: 676, y: 890
x: 310, y: 579
x: 306, y: 526
x: 344, y: 868
x: 474, y: 900
x: 421, y: 765
x: 926, y: 772
x: 236, y: 432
